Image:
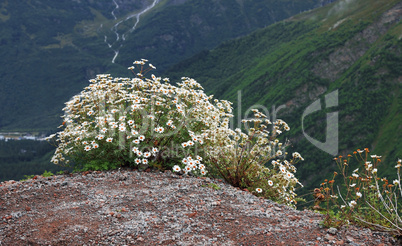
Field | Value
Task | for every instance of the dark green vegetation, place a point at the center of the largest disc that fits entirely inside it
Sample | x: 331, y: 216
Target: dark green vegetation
x: 354, y: 47
x: 25, y: 157
x: 174, y: 32
x: 49, y: 49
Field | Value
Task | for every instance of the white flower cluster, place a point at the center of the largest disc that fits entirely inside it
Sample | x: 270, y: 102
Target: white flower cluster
x: 133, y: 121
x: 127, y: 117
x: 192, y: 165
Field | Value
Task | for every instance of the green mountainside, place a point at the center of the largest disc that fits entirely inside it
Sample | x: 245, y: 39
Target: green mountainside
x: 350, y: 51
x: 50, y: 49
x: 194, y: 25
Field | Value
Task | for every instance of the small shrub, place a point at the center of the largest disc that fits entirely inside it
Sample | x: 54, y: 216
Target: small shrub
x: 127, y: 122
x: 61, y: 172
x: 27, y: 177
x: 254, y: 161
x: 213, y: 186
x: 364, y: 199
x: 44, y: 174
x: 47, y: 174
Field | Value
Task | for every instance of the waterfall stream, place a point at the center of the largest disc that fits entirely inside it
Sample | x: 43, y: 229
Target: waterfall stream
x: 120, y: 38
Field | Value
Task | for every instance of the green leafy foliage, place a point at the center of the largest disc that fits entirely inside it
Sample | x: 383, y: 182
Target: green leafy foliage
x: 47, y: 174
x: 213, y: 186
x: 44, y: 174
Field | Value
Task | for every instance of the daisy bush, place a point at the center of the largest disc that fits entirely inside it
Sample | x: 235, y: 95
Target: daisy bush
x: 149, y: 122
x: 363, y: 197
x: 137, y: 121
x: 255, y: 160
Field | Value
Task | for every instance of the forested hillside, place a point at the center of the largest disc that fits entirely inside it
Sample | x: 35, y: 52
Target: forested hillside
x: 50, y: 49
x: 350, y: 48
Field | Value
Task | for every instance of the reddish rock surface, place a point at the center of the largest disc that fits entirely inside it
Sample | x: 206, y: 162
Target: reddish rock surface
x: 145, y: 208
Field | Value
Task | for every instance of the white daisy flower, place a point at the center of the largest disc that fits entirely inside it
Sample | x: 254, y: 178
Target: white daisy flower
x: 176, y: 168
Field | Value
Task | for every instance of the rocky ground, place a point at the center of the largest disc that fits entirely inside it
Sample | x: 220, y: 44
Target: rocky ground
x: 128, y: 207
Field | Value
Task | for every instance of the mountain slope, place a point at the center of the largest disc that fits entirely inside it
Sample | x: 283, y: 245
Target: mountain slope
x: 349, y: 51
x: 192, y: 26
x: 49, y: 49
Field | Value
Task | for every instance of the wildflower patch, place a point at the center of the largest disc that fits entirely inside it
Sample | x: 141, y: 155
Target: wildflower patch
x: 148, y: 122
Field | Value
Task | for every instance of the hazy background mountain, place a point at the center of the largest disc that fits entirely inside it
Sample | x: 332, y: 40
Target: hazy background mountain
x: 50, y: 49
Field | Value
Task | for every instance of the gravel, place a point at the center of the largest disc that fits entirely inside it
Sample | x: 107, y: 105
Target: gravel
x: 128, y: 207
